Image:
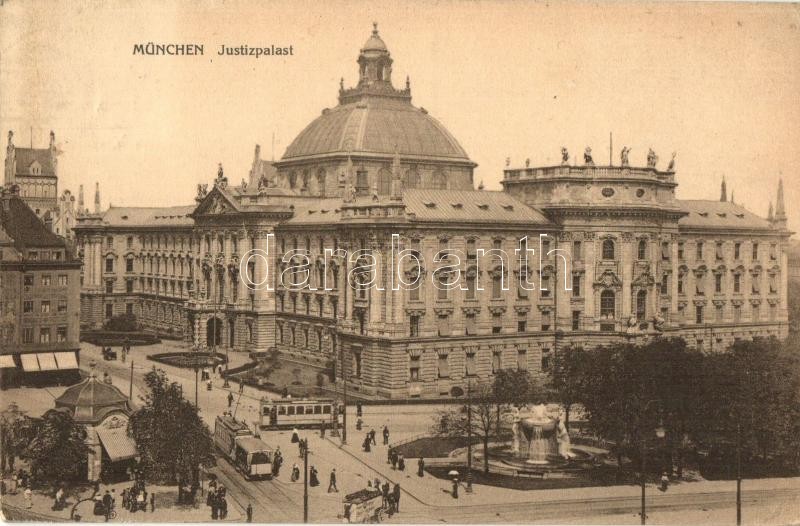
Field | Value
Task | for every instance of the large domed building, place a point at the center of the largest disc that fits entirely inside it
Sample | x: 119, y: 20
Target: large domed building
x: 373, y: 123
x: 376, y: 173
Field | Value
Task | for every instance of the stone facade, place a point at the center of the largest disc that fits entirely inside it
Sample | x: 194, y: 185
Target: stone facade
x: 621, y: 258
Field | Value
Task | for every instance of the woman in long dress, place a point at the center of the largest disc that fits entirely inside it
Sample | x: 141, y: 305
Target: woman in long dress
x: 295, y: 436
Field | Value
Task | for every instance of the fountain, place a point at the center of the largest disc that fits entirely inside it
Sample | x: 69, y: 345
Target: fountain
x: 536, y: 436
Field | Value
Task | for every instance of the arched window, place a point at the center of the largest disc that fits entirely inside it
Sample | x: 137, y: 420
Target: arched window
x: 642, y: 252
x: 411, y: 179
x: 292, y: 180
x: 439, y: 181
x: 608, y: 304
x: 384, y: 182
x: 641, y: 305
x: 497, y: 285
x: 608, y: 249
x: 321, y: 182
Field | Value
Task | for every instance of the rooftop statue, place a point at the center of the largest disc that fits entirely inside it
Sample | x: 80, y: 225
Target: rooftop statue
x: 652, y: 158
x: 587, y: 156
x: 202, y: 190
x: 671, y: 167
x: 508, y: 161
x: 623, y: 156
x: 564, y: 156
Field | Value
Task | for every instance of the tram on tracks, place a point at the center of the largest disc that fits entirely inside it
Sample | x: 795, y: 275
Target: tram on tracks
x: 287, y: 413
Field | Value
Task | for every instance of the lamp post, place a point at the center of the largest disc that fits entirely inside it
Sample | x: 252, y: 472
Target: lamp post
x: 469, y: 435
x: 738, y: 474
x: 305, y: 484
x: 344, y: 379
x: 660, y: 433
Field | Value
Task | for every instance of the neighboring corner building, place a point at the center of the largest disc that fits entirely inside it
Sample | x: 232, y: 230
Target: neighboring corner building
x: 39, y: 299
x: 641, y: 262
x: 35, y: 172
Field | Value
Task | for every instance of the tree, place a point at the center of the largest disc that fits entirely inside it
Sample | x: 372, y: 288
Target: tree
x: 16, y: 432
x: 567, y: 377
x: 477, y: 414
x: 57, y: 452
x: 172, y: 439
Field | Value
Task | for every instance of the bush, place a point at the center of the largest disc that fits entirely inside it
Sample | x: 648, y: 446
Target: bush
x: 122, y: 323
x: 456, y: 391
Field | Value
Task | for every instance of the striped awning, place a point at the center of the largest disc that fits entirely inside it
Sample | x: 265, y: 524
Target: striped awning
x: 7, y: 362
x: 66, y: 360
x: 117, y: 443
x: 29, y: 363
x: 47, y: 362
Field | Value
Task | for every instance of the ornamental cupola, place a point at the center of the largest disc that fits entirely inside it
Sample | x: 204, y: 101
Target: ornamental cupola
x: 374, y: 73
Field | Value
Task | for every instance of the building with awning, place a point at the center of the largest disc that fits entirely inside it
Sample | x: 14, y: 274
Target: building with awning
x: 104, y: 410
x: 40, y: 300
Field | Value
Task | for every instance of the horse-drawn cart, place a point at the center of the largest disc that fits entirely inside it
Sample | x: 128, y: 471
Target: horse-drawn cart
x: 364, y: 506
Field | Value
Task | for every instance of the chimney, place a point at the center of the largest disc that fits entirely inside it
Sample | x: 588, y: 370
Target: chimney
x: 97, y: 198
x: 52, y: 140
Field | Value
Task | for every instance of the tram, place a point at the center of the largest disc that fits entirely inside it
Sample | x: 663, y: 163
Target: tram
x: 291, y: 412
x: 250, y: 455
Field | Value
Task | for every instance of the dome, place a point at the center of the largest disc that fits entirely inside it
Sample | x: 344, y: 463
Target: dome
x: 374, y: 42
x: 91, y: 400
x: 377, y: 126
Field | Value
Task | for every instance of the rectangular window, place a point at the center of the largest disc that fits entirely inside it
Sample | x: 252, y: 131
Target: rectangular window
x: 27, y: 335
x: 413, y: 369
x: 576, y: 320
x: 522, y: 325
x: 28, y: 280
x: 129, y: 265
x: 61, y: 334
x: 62, y: 305
x: 664, y: 284
x: 470, y: 286
x: 109, y: 265
x: 680, y: 250
x: 699, y: 247
x: 718, y: 251
x: 546, y: 286
x: 546, y: 359
x: 109, y: 310
x: 576, y: 251
x: 718, y: 283
x: 737, y: 314
x: 471, y: 252
x: 665, y: 251
x: 773, y: 253
x: 362, y: 182
x: 496, y: 361
x: 756, y: 312
x: 737, y: 283
x: 129, y: 286
x: 45, y: 307
x: 469, y: 364
x: 497, y: 323
x: 129, y: 308
x: 576, y: 286
x: 109, y: 242
x: 129, y: 242
x: 443, y: 367
x: 33, y: 255
x: 27, y: 306
x: 522, y: 359
x: 46, y: 280
x: 755, y: 251
x: 698, y: 314
x: 444, y: 325
x: 546, y: 320
x: 63, y: 280
x: 414, y: 326
x: 44, y: 335
x: 109, y: 287
x: 545, y: 247
x: 737, y: 250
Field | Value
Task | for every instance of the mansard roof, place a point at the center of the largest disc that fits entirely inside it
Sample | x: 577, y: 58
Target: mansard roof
x: 26, y: 156
x: 719, y: 215
x: 23, y: 226
x: 136, y: 216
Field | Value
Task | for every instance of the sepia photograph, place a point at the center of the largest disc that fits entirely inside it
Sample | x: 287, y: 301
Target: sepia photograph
x: 435, y: 261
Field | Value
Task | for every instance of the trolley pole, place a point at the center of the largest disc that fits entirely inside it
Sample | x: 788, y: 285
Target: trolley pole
x: 344, y: 416
x: 130, y: 387
x: 305, y: 485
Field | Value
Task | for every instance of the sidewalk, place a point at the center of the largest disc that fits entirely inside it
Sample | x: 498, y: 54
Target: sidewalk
x: 431, y: 491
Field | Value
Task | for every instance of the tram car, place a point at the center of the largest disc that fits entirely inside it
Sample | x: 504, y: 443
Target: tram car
x: 250, y: 455
x: 288, y: 413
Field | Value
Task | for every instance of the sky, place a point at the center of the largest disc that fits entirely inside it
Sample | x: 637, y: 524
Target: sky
x: 717, y: 83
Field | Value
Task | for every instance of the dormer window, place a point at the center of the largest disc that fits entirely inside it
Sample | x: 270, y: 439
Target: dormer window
x: 483, y: 206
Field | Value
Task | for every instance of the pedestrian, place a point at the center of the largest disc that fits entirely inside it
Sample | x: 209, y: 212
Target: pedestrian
x: 249, y: 512
x: 455, y: 487
x: 107, y: 504
x: 664, y: 481
x: 385, y: 493
x: 313, y: 479
x: 394, y: 460
x: 366, y: 444
x: 359, y: 424
x: 28, y: 498
x: 295, y: 472
x: 230, y: 399
x: 385, y: 435
x: 372, y: 437
x: 401, y: 462
x: 12, y: 487
x: 125, y: 498
x: 396, y: 492
x: 359, y: 411
x: 295, y: 436
x: 332, y: 484
x: 214, y: 506
x: 123, y: 354
x: 390, y: 503
x: 223, y: 507
x: 152, y: 501
x: 322, y: 429
x: 421, y: 467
